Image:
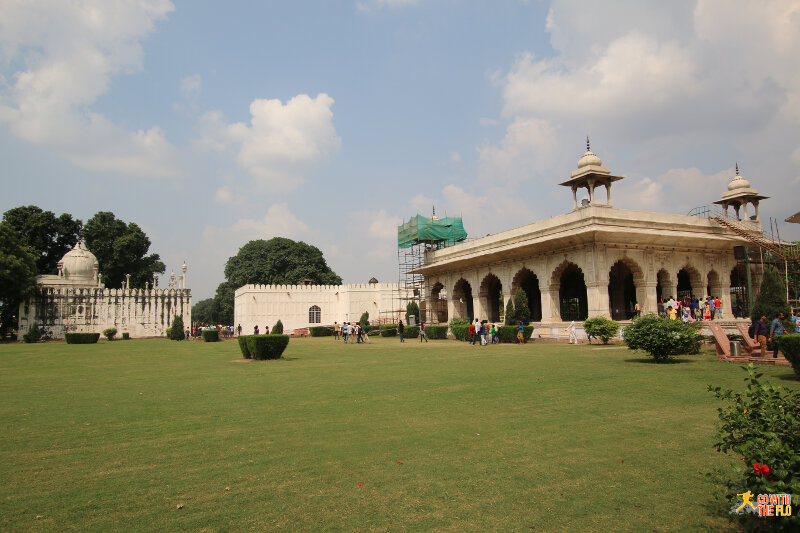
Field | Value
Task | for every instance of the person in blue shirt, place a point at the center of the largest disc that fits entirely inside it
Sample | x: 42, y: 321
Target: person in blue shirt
x: 776, y: 329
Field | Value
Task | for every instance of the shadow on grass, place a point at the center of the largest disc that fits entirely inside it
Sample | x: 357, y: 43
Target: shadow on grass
x: 670, y: 361
x: 791, y: 376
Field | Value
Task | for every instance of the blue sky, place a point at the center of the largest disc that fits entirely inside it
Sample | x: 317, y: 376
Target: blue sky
x: 210, y: 123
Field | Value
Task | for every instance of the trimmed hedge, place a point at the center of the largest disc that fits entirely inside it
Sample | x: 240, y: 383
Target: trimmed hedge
x: 81, y: 338
x: 460, y: 332
x: 242, y: 339
x: 211, y: 335
x: 390, y: 330
x: 436, y: 332
x: 321, y: 331
x: 126, y: 336
x: 411, y: 332
x: 790, y: 346
x: 508, y: 334
x: 263, y: 347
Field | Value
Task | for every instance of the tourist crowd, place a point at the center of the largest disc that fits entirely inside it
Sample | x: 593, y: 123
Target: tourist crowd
x: 690, y: 309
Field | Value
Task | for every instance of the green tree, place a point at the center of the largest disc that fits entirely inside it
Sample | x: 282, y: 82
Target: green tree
x: 176, y: 332
x: 771, y: 297
x: 121, y: 249
x: 412, y: 309
x: 277, y: 329
x: 205, y: 311
x: 279, y: 261
x: 49, y: 237
x: 17, y: 276
x: 522, y: 311
x: 223, y: 303
x: 364, y: 320
x: 509, y: 318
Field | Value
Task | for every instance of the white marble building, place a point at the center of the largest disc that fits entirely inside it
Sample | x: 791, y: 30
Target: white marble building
x: 303, y: 306
x: 74, y: 300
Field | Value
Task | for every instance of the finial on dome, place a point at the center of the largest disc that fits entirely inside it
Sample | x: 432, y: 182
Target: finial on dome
x: 434, y: 217
x: 737, y: 168
x: 588, y: 148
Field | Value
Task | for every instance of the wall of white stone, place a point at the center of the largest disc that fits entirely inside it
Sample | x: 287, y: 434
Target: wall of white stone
x: 263, y: 305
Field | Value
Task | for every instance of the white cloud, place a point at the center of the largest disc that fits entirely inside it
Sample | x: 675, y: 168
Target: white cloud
x: 192, y: 86
x: 455, y: 157
x: 280, y: 141
x: 529, y: 147
x: 58, y: 58
x: 678, y: 190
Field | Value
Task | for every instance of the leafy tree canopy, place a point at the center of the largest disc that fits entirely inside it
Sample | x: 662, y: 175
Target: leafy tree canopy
x: 17, y: 275
x: 279, y: 261
x: 121, y: 249
x: 49, y: 237
x: 771, y: 297
x: 204, y: 311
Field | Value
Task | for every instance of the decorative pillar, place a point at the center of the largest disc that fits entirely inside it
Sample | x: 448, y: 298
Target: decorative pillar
x: 574, y: 197
x: 597, y: 296
x: 650, y: 304
x: 477, y: 308
x: 551, y: 309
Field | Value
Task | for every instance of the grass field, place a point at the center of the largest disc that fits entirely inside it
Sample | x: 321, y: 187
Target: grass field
x: 387, y: 437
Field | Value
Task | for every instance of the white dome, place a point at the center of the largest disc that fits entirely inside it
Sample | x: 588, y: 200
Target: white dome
x: 738, y: 182
x: 589, y: 158
x: 79, y: 263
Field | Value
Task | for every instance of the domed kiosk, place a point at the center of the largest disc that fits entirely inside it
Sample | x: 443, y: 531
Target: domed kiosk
x: 75, y: 299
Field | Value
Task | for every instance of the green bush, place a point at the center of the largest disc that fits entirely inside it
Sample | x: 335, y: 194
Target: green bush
x: 176, y: 332
x: 210, y: 335
x: 771, y: 298
x: 662, y: 337
x: 760, y: 426
x: 459, y: 321
x: 460, y: 331
x: 33, y: 335
x: 390, y: 330
x: 277, y: 329
x: 82, y: 338
x: 508, y: 334
x: 790, y: 346
x: 601, y: 327
x: 364, y: 320
x: 521, y: 309
x: 126, y: 336
x: 263, y: 347
x: 436, y: 332
x: 412, y: 309
x: 321, y: 331
x: 411, y: 332
x: 242, y: 339
x: 509, y: 318
x: 110, y: 333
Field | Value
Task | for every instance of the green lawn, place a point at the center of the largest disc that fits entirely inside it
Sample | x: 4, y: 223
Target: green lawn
x: 541, y: 437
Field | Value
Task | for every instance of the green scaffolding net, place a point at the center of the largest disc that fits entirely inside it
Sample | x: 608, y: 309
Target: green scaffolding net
x: 419, y: 229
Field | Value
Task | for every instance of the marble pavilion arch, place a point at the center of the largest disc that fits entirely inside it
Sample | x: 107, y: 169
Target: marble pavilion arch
x: 596, y: 260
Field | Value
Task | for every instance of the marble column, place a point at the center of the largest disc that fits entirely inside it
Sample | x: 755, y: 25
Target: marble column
x: 597, y: 296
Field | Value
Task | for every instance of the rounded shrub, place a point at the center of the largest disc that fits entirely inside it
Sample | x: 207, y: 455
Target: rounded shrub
x: 81, y: 338
x: 277, y: 329
x: 211, y: 335
x: 601, y: 327
x: 662, y: 338
x: 321, y: 331
x: 790, y: 346
x: 436, y: 332
x: 110, y: 333
x: 263, y: 347
x: 176, y: 332
x: 126, y: 336
x: 243, y: 346
x: 460, y: 331
x: 33, y: 335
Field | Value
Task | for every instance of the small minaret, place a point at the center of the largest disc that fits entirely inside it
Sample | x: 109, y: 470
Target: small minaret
x: 589, y: 175
x: 184, y: 268
x: 738, y: 196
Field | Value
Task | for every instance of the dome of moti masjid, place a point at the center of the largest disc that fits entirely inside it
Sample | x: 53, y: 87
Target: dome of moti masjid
x: 79, y: 263
x: 589, y: 158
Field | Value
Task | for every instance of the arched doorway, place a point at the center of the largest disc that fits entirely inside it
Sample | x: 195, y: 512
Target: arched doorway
x: 528, y: 282
x: 740, y: 297
x: 572, y: 294
x: 491, y: 294
x: 462, y: 298
x: 621, y: 291
x: 688, y: 283
x: 437, y: 307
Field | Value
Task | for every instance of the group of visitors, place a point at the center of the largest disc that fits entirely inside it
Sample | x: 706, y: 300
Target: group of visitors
x: 690, y: 308
x: 759, y: 331
x: 256, y: 331
x: 197, y: 331
x: 352, y: 331
x: 482, y: 333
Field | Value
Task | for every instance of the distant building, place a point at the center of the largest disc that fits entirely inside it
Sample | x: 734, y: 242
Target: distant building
x: 74, y: 300
x: 303, y: 306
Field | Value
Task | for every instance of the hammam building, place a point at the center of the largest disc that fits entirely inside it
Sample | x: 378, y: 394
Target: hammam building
x: 75, y: 300
x: 597, y: 260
